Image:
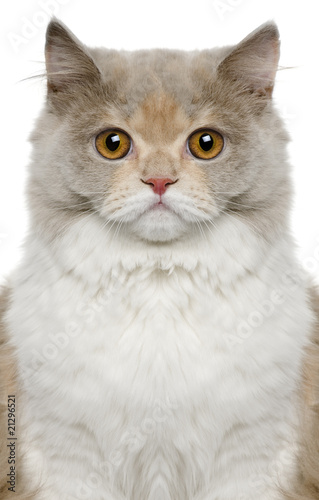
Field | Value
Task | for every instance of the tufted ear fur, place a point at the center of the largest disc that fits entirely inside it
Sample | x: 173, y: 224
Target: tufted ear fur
x: 69, y: 65
x: 252, y: 64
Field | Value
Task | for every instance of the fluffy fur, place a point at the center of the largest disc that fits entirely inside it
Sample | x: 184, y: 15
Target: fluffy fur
x: 306, y: 482
x: 162, y: 352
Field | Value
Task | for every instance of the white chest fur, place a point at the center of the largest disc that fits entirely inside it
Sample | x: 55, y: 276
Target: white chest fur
x: 158, y: 376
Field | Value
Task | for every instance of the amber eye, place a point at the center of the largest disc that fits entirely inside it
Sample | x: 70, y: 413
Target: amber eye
x: 205, y: 144
x: 113, y: 144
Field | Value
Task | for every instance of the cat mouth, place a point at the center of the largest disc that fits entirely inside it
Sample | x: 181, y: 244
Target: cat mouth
x: 159, y: 206
x: 173, y: 210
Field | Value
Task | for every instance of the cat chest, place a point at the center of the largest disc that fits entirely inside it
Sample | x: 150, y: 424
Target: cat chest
x: 144, y: 336
x: 151, y: 334
x: 147, y: 358
x: 145, y: 363
x: 154, y: 332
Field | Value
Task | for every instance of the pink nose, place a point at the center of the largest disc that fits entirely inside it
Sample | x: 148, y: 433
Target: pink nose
x: 160, y: 185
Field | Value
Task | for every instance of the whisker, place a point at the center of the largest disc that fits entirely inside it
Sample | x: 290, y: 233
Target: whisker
x: 238, y: 215
x: 117, y: 230
x: 110, y: 228
x: 76, y: 205
x: 241, y: 205
x: 200, y: 228
x: 208, y: 228
x: 84, y: 215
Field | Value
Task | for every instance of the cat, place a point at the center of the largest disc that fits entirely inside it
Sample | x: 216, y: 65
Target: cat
x: 159, y: 340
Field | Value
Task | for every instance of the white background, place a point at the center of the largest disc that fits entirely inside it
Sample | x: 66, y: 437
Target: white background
x: 184, y: 24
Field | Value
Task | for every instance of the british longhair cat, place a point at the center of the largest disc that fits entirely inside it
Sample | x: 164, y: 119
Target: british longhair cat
x: 159, y: 340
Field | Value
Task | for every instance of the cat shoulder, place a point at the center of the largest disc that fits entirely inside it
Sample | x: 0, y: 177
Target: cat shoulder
x: 8, y: 387
x: 306, y: 484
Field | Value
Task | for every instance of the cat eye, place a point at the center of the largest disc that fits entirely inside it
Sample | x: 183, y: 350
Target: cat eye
x: 205, y: 144
x: 113, y: 144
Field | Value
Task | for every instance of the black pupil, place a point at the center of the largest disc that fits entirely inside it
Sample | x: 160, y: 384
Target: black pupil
x: 112, y: 142
x: 206, y: 142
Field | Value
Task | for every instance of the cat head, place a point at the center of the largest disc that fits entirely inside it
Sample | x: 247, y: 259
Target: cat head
x: 159, y: 144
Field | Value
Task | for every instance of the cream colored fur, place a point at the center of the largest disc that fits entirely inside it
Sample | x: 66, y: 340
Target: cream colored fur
x: 161, y: 351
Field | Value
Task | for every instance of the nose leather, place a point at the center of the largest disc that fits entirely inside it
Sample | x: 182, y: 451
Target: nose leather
x: 159, y: 185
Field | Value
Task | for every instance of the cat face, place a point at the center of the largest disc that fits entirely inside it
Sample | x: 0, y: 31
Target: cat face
x: 160, y: 143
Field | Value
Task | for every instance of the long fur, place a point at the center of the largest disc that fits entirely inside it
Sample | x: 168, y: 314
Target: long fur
x: 158, y: 349
x: 9, y: 385
x: 305, y: 485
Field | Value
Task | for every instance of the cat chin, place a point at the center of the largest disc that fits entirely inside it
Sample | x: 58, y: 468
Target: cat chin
x: 161, y: 226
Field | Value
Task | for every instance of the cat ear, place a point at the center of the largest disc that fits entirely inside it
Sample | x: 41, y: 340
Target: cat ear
x: 68, y: 63
x: 253, y: 62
